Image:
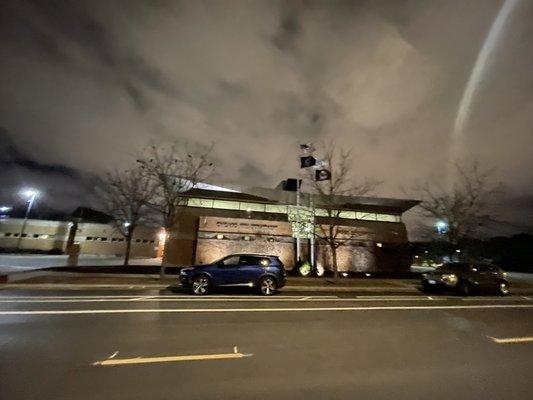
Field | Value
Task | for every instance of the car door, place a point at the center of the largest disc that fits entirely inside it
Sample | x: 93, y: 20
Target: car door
x: 250, y: 270
x: 483, y: 275
x: 226, y: 271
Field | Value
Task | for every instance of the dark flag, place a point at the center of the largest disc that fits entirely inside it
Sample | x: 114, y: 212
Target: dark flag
x: 322, y: 175
x: 307, y: 161
x: 307, y: 148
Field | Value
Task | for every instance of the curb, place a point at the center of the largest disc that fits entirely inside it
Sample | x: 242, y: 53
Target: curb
x: 349, y: 289
x: 56, y: 286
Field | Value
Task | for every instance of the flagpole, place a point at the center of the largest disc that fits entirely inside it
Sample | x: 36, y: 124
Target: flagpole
x: 298, y: 250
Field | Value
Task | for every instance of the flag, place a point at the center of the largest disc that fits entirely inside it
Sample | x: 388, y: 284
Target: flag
x: 322, y: 175
x: 321, y: 164
x: 307, y: 161
x: 307, y: 148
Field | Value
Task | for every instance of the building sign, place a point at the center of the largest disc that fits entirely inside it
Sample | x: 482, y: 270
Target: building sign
x: 244, y: 226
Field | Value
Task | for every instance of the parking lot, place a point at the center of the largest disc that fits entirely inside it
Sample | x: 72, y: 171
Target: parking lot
x: 129, y: 344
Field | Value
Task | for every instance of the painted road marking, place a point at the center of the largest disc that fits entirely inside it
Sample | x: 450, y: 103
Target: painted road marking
x: 113, y: 355
x: 200, y: 300
x: 148, y: 360
x: 189, y: 297
x: 251, y: 310
x: 514, y: 340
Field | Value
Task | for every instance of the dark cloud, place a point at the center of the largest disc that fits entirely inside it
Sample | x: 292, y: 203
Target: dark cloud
x: 85, y: 84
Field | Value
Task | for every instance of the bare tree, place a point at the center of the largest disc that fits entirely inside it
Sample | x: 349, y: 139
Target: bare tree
x: 173, y: 170
x: 125, y: 195
x: 464, y: 209
x: 331, y: 230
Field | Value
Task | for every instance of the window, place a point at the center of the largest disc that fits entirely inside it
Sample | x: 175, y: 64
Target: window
x: 206, y: 203
x: 230, y: 261
x: 89, y: 238
x: 226, y: 205
x: 366, y: 216
x: 104, y: 239
x: 387, y: 218
x: 275, y: 208
x: 35, y: 235
x: 321, y: 212
x: 347, y: 214
x: 7, y: 234
x: 252, y: 207
x: 24, y: 235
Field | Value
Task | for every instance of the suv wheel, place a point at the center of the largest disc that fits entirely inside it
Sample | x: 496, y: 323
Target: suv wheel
x: 503, y: 288
x: 200, y: 285
x: 267, y: 286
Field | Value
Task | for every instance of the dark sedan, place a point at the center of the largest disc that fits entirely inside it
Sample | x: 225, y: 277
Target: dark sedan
x: 466, y: 278
x: 266, y: 273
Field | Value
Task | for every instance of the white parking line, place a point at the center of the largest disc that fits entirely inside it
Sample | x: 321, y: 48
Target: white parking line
x: 261, y: 310
x: 513, y: 340
x: 220, y: 300
x: 146, y: 360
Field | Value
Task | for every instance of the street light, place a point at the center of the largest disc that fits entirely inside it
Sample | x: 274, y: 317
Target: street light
x: 441, y: 226
x: 30, y: 195
x: 4, y: 209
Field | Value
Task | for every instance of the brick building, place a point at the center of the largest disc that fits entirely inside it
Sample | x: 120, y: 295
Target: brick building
x: 215, y: 223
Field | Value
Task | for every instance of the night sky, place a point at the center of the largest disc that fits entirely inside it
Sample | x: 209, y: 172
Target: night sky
x: 85, y: 84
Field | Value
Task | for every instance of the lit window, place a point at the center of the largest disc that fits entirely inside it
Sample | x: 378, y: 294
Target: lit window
x: 322, y: 212
x: 347, y: 214
x: 388, y: 218
x: 219, y: 236
x: 205, y: 203
x: 366, y: 216
x: 275, y: 208
x: 45, y: 236
x: 252, y: 207
x: 226, y: 205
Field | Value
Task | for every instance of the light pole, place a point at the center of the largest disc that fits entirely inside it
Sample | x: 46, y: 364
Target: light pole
x: 30, y: 195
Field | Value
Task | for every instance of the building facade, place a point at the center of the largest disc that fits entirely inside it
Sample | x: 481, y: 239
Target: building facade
x: 93, y: 238
x: 217, y: 223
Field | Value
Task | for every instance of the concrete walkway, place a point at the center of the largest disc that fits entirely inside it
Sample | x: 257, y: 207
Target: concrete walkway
x: 10, y: 263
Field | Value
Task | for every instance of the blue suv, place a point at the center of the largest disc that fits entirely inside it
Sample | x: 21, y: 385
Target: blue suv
x: 266, y: 273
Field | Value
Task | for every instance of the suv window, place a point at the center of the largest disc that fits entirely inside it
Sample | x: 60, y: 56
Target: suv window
x: 485, y: 268
x: 254, y: 260
x: 454, y: 266
x: 230, y: 261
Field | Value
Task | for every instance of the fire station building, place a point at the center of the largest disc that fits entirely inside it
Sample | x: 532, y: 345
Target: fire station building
x: 215, y: 223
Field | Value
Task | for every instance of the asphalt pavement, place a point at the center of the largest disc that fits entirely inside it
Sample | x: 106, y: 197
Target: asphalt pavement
x: 153, y: 344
